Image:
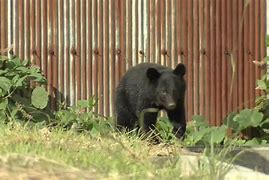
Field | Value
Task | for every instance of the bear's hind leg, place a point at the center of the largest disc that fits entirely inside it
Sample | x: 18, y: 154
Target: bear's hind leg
x: 125, y: 119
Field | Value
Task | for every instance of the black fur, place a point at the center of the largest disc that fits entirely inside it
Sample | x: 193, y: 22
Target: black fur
x: 151, y: 86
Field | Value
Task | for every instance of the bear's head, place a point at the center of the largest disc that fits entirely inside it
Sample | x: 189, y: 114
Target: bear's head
x: 169, y: 85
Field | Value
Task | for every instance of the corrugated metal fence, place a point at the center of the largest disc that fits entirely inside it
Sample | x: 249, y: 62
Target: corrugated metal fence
x: 84, y: 47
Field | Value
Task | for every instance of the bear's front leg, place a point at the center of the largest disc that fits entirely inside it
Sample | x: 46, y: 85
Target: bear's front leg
x: 178, y: 120
x: 150, y: 120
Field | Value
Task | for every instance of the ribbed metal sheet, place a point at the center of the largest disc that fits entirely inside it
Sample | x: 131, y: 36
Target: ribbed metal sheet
x: 84, y: 47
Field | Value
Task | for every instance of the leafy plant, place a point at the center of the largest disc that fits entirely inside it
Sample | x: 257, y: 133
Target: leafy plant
x: 242, y: 124
x: 16, y: 102
x: 267, y: 40
x: 165, y: 129
x: 81, y: 117
x: 246, y: 121
x: 262, y: 103
x: 199, y: 132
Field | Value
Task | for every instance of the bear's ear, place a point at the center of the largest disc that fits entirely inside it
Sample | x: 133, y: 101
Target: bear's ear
x: 153, y: 73
x: 180, y: 69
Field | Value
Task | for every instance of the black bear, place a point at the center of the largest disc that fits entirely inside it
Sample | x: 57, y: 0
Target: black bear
x: 149, y: 85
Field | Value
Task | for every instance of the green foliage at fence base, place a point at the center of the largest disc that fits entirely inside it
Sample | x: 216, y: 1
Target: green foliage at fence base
x: 18, y: 100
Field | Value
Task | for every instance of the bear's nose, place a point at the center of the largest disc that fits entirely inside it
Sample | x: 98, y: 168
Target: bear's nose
x: 171, y: 105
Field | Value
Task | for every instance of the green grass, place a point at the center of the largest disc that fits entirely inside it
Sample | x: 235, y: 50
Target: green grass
x: 55, y: 152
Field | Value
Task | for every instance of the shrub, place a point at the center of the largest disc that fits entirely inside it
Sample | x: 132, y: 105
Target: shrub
x: 18, y: 100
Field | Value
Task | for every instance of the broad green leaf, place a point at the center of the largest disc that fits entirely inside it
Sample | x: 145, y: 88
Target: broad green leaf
x: 39, y: 98
x: 199, y: 121
x: 252, y: 142
x: 20, y: 81
x: 83, y: 103
x: 266, y: 121
x: 266, y: 130
x: 264, y: 77
x: 264, y: 142
x: 248, y: 118
x: 3, y: 103
x: 2, y: 116
x: 23, y: 69
x: 17, y: 61
x: 256, y: 118
x: 34, y: 70
x: 26, y: 62
x: 267, y: 40
x: 5, y: 84
x: 94, y: 132
x: 164, y: 124
x: 37, y: 77
x: 3, y: 58
x: 2, y: 72
x: 10, y: 65
x: 219, y: 133
x: 15, y: 78
x: 199, y: 135
x: 92, y: 102
x: 261, y: 84
x: 231, y: 123
x: 21, y: 100
x: 243, y: 118
x: 266, y: 59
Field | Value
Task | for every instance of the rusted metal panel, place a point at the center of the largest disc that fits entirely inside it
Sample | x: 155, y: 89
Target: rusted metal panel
x: 26, y: 28
x: 21, y: 29
x: 195, y: 57
x: 189, y: 63
x: 233, y: 63
x: 85, y: 47
x: 213, y: 71
x: 206, y: 52
x: 3, y: 24
x: 106, y: 58
x: 89, y: 49
x: 223, y: 60
x: 73, y: 51
x: 167, y: 41
x: 66, y: 56
x: 201, y: 63
x: 77, y: 50
x: 241, y: 55
x: 173, y: 19
x: 218, y: 66
x: 54, y: 53
x: 100, y: 57
x: 251, y: 54
x: 60, y: 55
x: 112, y: 53
x: 263, y: 21
x: 227, y: 53
x: 140, y: 33
x: 129, y: 37
x: 246, y: 61
x: 157, y: 32
x: 152, y: 29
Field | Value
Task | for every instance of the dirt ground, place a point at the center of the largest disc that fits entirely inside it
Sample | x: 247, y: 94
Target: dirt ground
x: 35, y: 168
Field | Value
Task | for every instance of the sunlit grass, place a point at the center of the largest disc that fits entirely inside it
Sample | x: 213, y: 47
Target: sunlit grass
x: 113, y: 156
